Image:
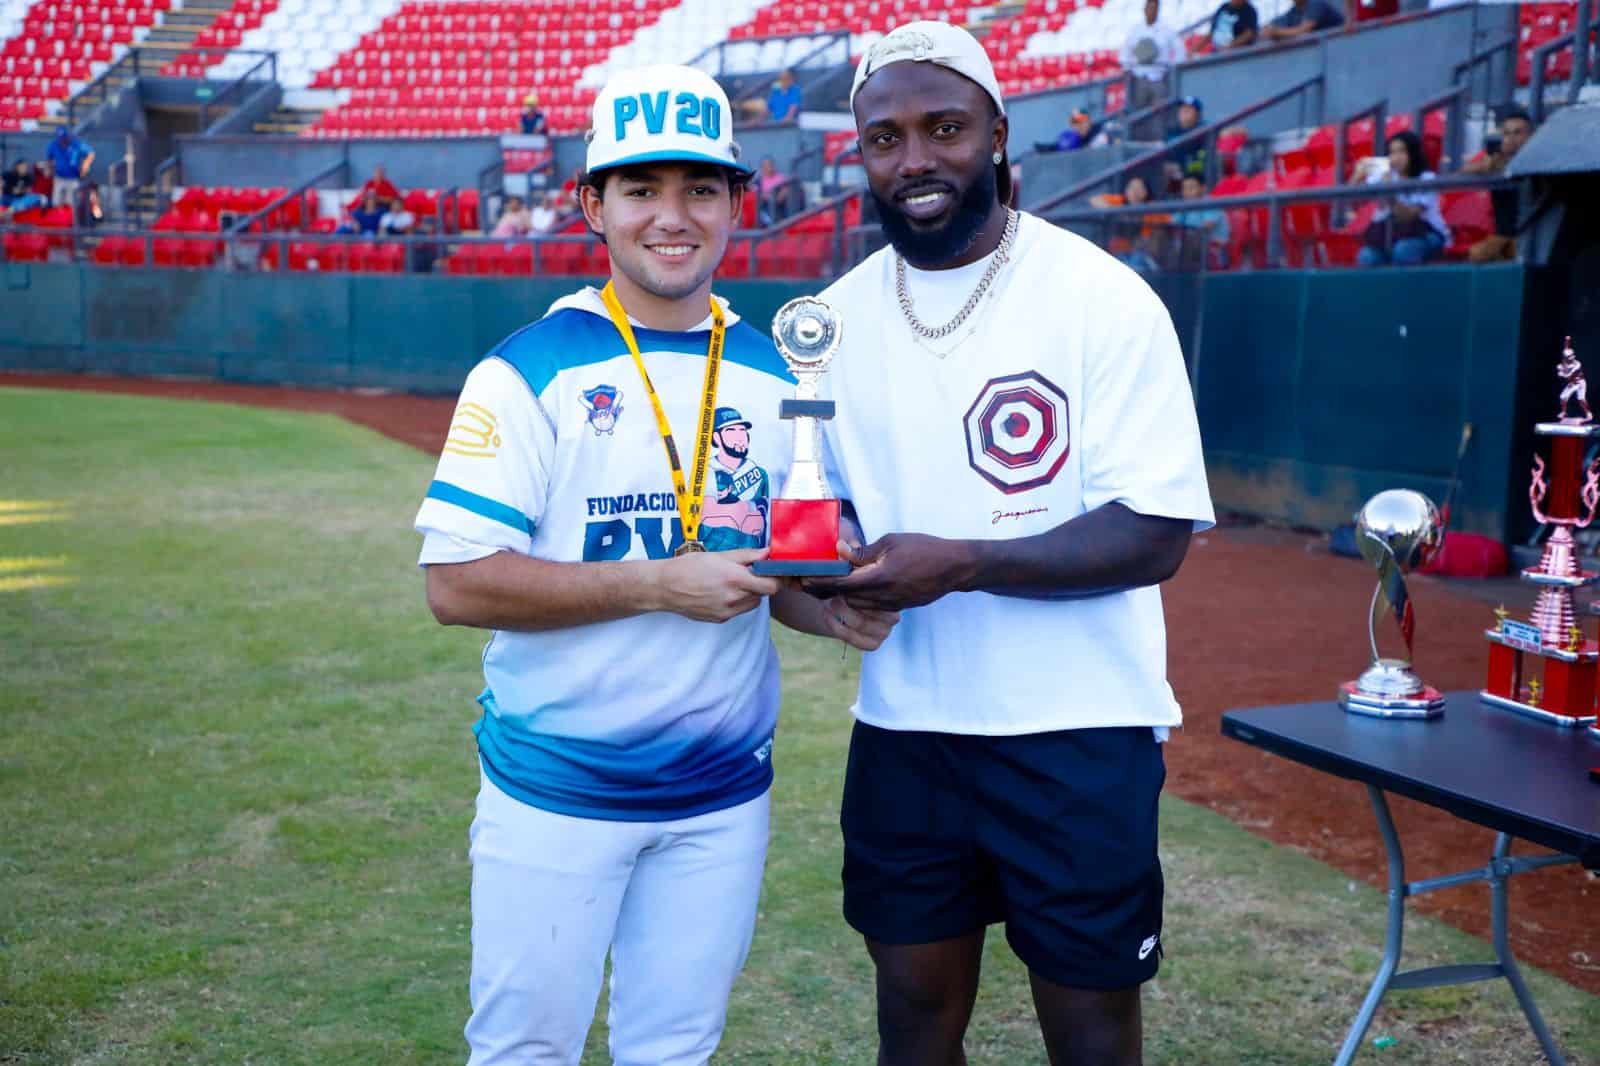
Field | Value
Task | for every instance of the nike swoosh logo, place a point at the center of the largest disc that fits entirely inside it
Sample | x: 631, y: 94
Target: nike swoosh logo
x: 1147, y: 947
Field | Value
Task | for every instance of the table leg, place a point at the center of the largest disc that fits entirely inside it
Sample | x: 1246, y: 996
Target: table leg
x: 1394, y: 937
x: 1499, y: 907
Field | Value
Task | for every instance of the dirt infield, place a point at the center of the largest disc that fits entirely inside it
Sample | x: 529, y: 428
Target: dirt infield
x: 1255, y: 617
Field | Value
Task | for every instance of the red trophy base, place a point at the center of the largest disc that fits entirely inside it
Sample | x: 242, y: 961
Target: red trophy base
x: 804, y: 541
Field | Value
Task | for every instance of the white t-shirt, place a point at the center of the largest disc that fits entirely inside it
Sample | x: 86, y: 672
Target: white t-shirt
x: 1064, y: 391
x: 1427, y: 201
x: 554, y: 453
x: 1151, y: 51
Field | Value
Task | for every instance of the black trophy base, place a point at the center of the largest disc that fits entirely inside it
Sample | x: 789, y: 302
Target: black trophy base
x: 801, y: 567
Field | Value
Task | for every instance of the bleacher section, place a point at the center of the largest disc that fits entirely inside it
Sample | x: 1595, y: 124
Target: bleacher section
x: 225, y: 33
x: 307, y: 35
x: 441, y: 67
x: 1538, y: 24
x: 61, y: 44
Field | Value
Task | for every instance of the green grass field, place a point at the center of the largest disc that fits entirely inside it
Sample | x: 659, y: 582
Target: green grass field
x: 236, y: 775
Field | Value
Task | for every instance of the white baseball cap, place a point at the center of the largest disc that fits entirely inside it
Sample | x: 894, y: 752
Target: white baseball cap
x: 931, y: 42
x: 662, y: 114
x: 947, y: 46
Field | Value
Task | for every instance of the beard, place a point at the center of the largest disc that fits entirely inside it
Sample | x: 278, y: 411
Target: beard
x: 737, y: 454
x: 929, y: 248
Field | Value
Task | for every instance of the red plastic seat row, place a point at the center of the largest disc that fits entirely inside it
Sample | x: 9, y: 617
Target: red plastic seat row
x: 356, y: 257
x: 806, y: 255
x: 25, y: 247
x: 34, y: 88
x: 240, y: 201
x: 500, y: 47
x: 840, y: 144
x: 435, y: 96
x: 494, y: 77
x: 17, y: 52
x: 516, y: 259
x: 524, y: 160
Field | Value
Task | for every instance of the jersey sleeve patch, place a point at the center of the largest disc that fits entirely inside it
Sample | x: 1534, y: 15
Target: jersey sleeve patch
x: 474, y: 432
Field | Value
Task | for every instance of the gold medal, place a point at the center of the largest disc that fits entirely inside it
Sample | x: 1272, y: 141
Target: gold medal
x: 689, y: 547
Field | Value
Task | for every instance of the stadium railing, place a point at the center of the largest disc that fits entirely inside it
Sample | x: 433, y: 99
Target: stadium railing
x: 810, y: 244
x: 1283, y: 228
x: 263, y: 74
x: 1112, y: 178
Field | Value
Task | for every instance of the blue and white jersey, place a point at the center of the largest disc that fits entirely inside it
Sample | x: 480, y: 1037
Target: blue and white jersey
x: 554, y: 452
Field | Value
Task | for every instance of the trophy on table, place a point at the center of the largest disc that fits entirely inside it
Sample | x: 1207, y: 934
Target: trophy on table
x: 805, y: 517
x: 1396, y: 530
x: 1564, y: 494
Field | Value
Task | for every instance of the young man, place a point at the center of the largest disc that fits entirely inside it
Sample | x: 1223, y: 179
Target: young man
x: 1516, y: 126
x: 1234, y: 25
x: 71, y: 158
x: 1303, y: 17
x: 1153, y: 47
x: 632, y: 685
x: 1017, y: 436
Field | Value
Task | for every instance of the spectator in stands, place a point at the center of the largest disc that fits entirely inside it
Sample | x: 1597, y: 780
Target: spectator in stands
x: 16, y: 194
x: 380, y: 185
x: 1152, y: 49
x: 1303, y: 17
x: 775, y: 192
x: 783, y: 102
x: 1234, y: 25
x: 1409, y: 230
x: 532, y: 118
x: 1135, y: 191
x: 365, y: 217
x: 71, y: 159
x: 424, y: 253
x: 542, y: 219
x: 515, y: 221
x: 1130, y: 237
x: 397, y: 219
x: 1211, y: 222
x: 1081, y: 132
x: 1516, y: 126
x: 1186, y: 158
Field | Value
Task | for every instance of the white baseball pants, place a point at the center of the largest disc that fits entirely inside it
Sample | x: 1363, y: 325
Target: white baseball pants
x: 674, y: 902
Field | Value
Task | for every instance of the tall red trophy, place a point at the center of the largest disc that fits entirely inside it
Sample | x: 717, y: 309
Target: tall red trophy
x: 1563, y: 692
x: 805, y: 517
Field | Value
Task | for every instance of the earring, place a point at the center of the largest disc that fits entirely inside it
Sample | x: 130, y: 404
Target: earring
x: 997, y: 158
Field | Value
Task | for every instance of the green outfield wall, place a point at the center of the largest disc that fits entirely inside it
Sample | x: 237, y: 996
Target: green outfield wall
x: 1315, y: 389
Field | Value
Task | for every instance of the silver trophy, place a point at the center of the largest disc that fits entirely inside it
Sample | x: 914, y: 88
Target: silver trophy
x: 1396, y: 530
x: 805, y: 516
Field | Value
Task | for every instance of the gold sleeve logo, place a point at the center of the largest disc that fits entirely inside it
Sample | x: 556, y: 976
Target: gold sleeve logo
x: 474, y: 432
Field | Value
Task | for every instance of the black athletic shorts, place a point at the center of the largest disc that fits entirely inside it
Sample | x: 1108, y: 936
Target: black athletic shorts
x: 1052, y: 833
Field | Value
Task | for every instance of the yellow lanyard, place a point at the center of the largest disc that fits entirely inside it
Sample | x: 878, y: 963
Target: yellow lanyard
x: 690, y: 496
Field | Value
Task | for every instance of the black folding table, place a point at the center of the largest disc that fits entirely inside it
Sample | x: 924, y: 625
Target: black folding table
x: 1520, y: 777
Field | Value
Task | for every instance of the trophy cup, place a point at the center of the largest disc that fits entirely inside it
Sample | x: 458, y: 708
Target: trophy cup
x: 1565, y: 495
x: 805, y: 517
x: 1396, y: 530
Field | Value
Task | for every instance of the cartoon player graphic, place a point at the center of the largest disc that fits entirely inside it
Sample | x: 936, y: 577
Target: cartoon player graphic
x: 735, y: 514
x: 605, y: 405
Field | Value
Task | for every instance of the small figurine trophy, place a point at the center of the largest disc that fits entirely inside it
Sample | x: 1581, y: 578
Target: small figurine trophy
x: 805, y: 516
x: 1567, y: 499
x: 1397, y: 530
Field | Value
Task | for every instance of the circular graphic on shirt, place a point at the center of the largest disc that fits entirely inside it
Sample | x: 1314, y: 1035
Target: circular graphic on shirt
x: 1017, y: 437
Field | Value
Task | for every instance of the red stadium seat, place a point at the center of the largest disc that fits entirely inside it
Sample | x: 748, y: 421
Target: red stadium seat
x: 1470, y: 215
